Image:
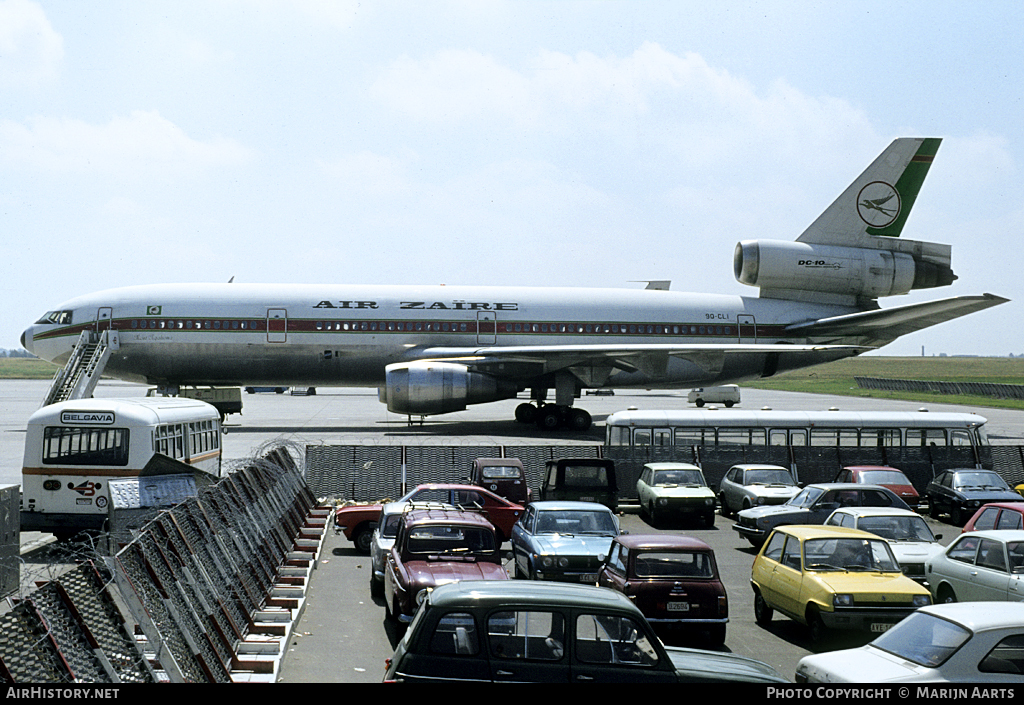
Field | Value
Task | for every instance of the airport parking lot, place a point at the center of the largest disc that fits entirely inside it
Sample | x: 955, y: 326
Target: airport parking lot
x: 342, y: 635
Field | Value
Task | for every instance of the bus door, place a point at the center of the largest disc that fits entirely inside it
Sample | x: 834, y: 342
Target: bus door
x: 746, y: 329
x: 486, y: 328
x: 277, y: 325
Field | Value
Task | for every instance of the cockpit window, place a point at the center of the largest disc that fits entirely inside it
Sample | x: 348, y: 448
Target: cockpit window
x: 62, y: 318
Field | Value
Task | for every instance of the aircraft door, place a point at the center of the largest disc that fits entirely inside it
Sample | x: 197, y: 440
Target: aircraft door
x: 486, y: 328
x: 746, y: 328
x: 103, y: 318
x: 277, y: 325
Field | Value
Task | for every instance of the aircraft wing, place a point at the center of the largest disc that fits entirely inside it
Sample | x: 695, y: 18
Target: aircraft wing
x: 592, y: 363
x: 891, y: 323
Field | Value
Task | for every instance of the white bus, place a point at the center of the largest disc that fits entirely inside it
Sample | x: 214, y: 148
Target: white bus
x: 73, y: 450
x: 835, y: 429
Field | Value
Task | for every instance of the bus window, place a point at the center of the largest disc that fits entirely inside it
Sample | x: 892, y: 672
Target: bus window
x: 960, y: 438
x: 642, y: 437
x: 695, y: 436
x: 926, y: 437
x: 827, y: 437
x: 85, y: 446
x: 798, y: 438
x: 879, y: 437
x: 741, y: 436
x: 778, y: 437
x: 848, y: 437
x: 663, y: 436
x: 618, y: 436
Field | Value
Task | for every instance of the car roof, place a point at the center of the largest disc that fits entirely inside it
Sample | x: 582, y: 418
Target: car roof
x: 445, y: 516
x: 820, y: 531
x: 662, y: 541
x: 980, y: 616
x: 485, y: 593
x: 671, y: 466
x: 871, y: 467
x: 401, y: 507
x: 1017, y: 506
x: 999, y: 534
x: 550, y: 504
x: 848, y: 486
x: 759, y: 466
x: 878, y: 511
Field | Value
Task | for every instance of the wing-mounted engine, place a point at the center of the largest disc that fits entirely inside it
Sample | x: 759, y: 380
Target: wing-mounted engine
x: 845, y: 275
x: 427, y: 387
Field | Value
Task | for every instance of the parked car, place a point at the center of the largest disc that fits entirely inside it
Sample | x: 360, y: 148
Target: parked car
x: 981, y: 642
x: 434, y: 547
x: 997, y: 515
x: 563, y: 540
x: 672, y: 579
x: 908, y: 534
x: 959, y: 493
x: 728, y: 394
x: 752, y: 485
x: 882, y: 475
x: 383, y: 538
x: 581, y: 480
x: 675, y: 490
x: 980, y: 565
x: 357, y: 521
x: 831, y: 577
x: 550, y: 632
x: 505, y: 477
x: 812, y: 505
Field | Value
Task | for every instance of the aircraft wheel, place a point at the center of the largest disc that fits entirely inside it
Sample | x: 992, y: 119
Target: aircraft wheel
x: 549, y: 418
x: 526, y: 413
x: 579, y: 420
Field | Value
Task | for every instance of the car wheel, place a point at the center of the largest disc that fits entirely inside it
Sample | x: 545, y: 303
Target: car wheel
x: 364, y: 534
x: 709, y: 519
x: 725, y: 507
x: 816, y: 625
x: 376, y: 586
x: 946, y: 595
x: 956, y: 516
x: 762, y: 612
x: 933, y: 508
x: 716, y: 635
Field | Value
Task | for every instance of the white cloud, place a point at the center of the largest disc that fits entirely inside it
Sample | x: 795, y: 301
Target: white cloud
x: 30, y: 49
x: 143, y: 142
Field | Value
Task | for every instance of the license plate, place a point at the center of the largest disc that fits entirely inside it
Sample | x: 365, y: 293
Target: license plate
x: 586, y: 499
x: 588, y: 578
x: 880, y: 627
x: 678, y: 606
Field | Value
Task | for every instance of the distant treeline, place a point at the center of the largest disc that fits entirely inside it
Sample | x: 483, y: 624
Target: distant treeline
x: 15, y: 353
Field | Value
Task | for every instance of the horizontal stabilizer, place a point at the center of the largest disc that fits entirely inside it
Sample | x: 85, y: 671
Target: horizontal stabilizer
x: 889, y: 324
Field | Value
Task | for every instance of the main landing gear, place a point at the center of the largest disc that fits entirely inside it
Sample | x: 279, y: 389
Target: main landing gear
x: 549, y: 417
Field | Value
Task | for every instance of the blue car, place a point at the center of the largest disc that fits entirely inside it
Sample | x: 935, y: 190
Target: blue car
x: 563, y: 540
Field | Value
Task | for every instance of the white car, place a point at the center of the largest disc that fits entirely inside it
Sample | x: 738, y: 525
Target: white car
x: 675, y: 489
x: 383, y: 538
x: 979, y: 642
x: 753, y: 485
x: 908, y: 534
x: 979, y: 565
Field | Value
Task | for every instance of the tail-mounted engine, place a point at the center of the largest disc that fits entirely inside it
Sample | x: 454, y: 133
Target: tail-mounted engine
x: 791, y: 269
x: 428, y: 387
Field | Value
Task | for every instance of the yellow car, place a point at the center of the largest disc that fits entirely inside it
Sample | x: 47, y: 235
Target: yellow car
x: 832, y: 578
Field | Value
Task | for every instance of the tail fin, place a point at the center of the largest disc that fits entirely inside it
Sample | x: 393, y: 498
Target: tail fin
x: 878, y: 202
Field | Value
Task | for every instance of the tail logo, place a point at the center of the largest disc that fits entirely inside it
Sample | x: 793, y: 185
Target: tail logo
x: 878, y: 204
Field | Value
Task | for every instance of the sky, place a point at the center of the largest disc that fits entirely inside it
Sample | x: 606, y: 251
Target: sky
x: 519, y: 142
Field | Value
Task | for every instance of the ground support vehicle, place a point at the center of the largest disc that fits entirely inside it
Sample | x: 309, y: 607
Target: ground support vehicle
x: 528, y: 632
x: 832, y: 578
x: 728, y: 394
x: 675, y: 490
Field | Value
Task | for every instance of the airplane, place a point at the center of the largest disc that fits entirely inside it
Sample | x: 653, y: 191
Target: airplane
x: 436, y: 349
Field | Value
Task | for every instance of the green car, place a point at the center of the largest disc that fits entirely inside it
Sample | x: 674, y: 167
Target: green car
x: 535, y: 631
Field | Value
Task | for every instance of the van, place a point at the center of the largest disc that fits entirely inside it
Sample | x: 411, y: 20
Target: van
x: 727, y: 394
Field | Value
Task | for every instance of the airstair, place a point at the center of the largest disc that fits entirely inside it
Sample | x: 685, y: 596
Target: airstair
x: 79, y: 376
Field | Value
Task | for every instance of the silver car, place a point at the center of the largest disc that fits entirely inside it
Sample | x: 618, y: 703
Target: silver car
x: 909, y: 536
x: 749, y: 485
x: 979, y: 566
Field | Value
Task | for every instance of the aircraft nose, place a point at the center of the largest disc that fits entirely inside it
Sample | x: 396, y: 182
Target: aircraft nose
x: 26, y: 340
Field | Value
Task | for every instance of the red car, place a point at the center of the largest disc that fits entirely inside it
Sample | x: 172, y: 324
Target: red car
x: 434, y: 547
x: 888, y: 477
x: 358, y: 521
x: 997, y: 515
x: 673, y: 579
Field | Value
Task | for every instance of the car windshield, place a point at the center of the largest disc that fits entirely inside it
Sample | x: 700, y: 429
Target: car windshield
x: 449, y: 539
x: 850, y: 554
x: 897, y: 528
x: 673, y: 564
x: 884, y: 477
x: 672, y: 478
x: 979, y: 481
x: 501, y: 472
x: 923, y: 639
x: 576, y: 521
x: 585, y: 476
x: 769, y: 477
x: 806, y: 498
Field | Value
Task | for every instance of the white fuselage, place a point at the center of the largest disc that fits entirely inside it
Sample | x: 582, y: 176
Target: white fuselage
x: 345, y: 335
